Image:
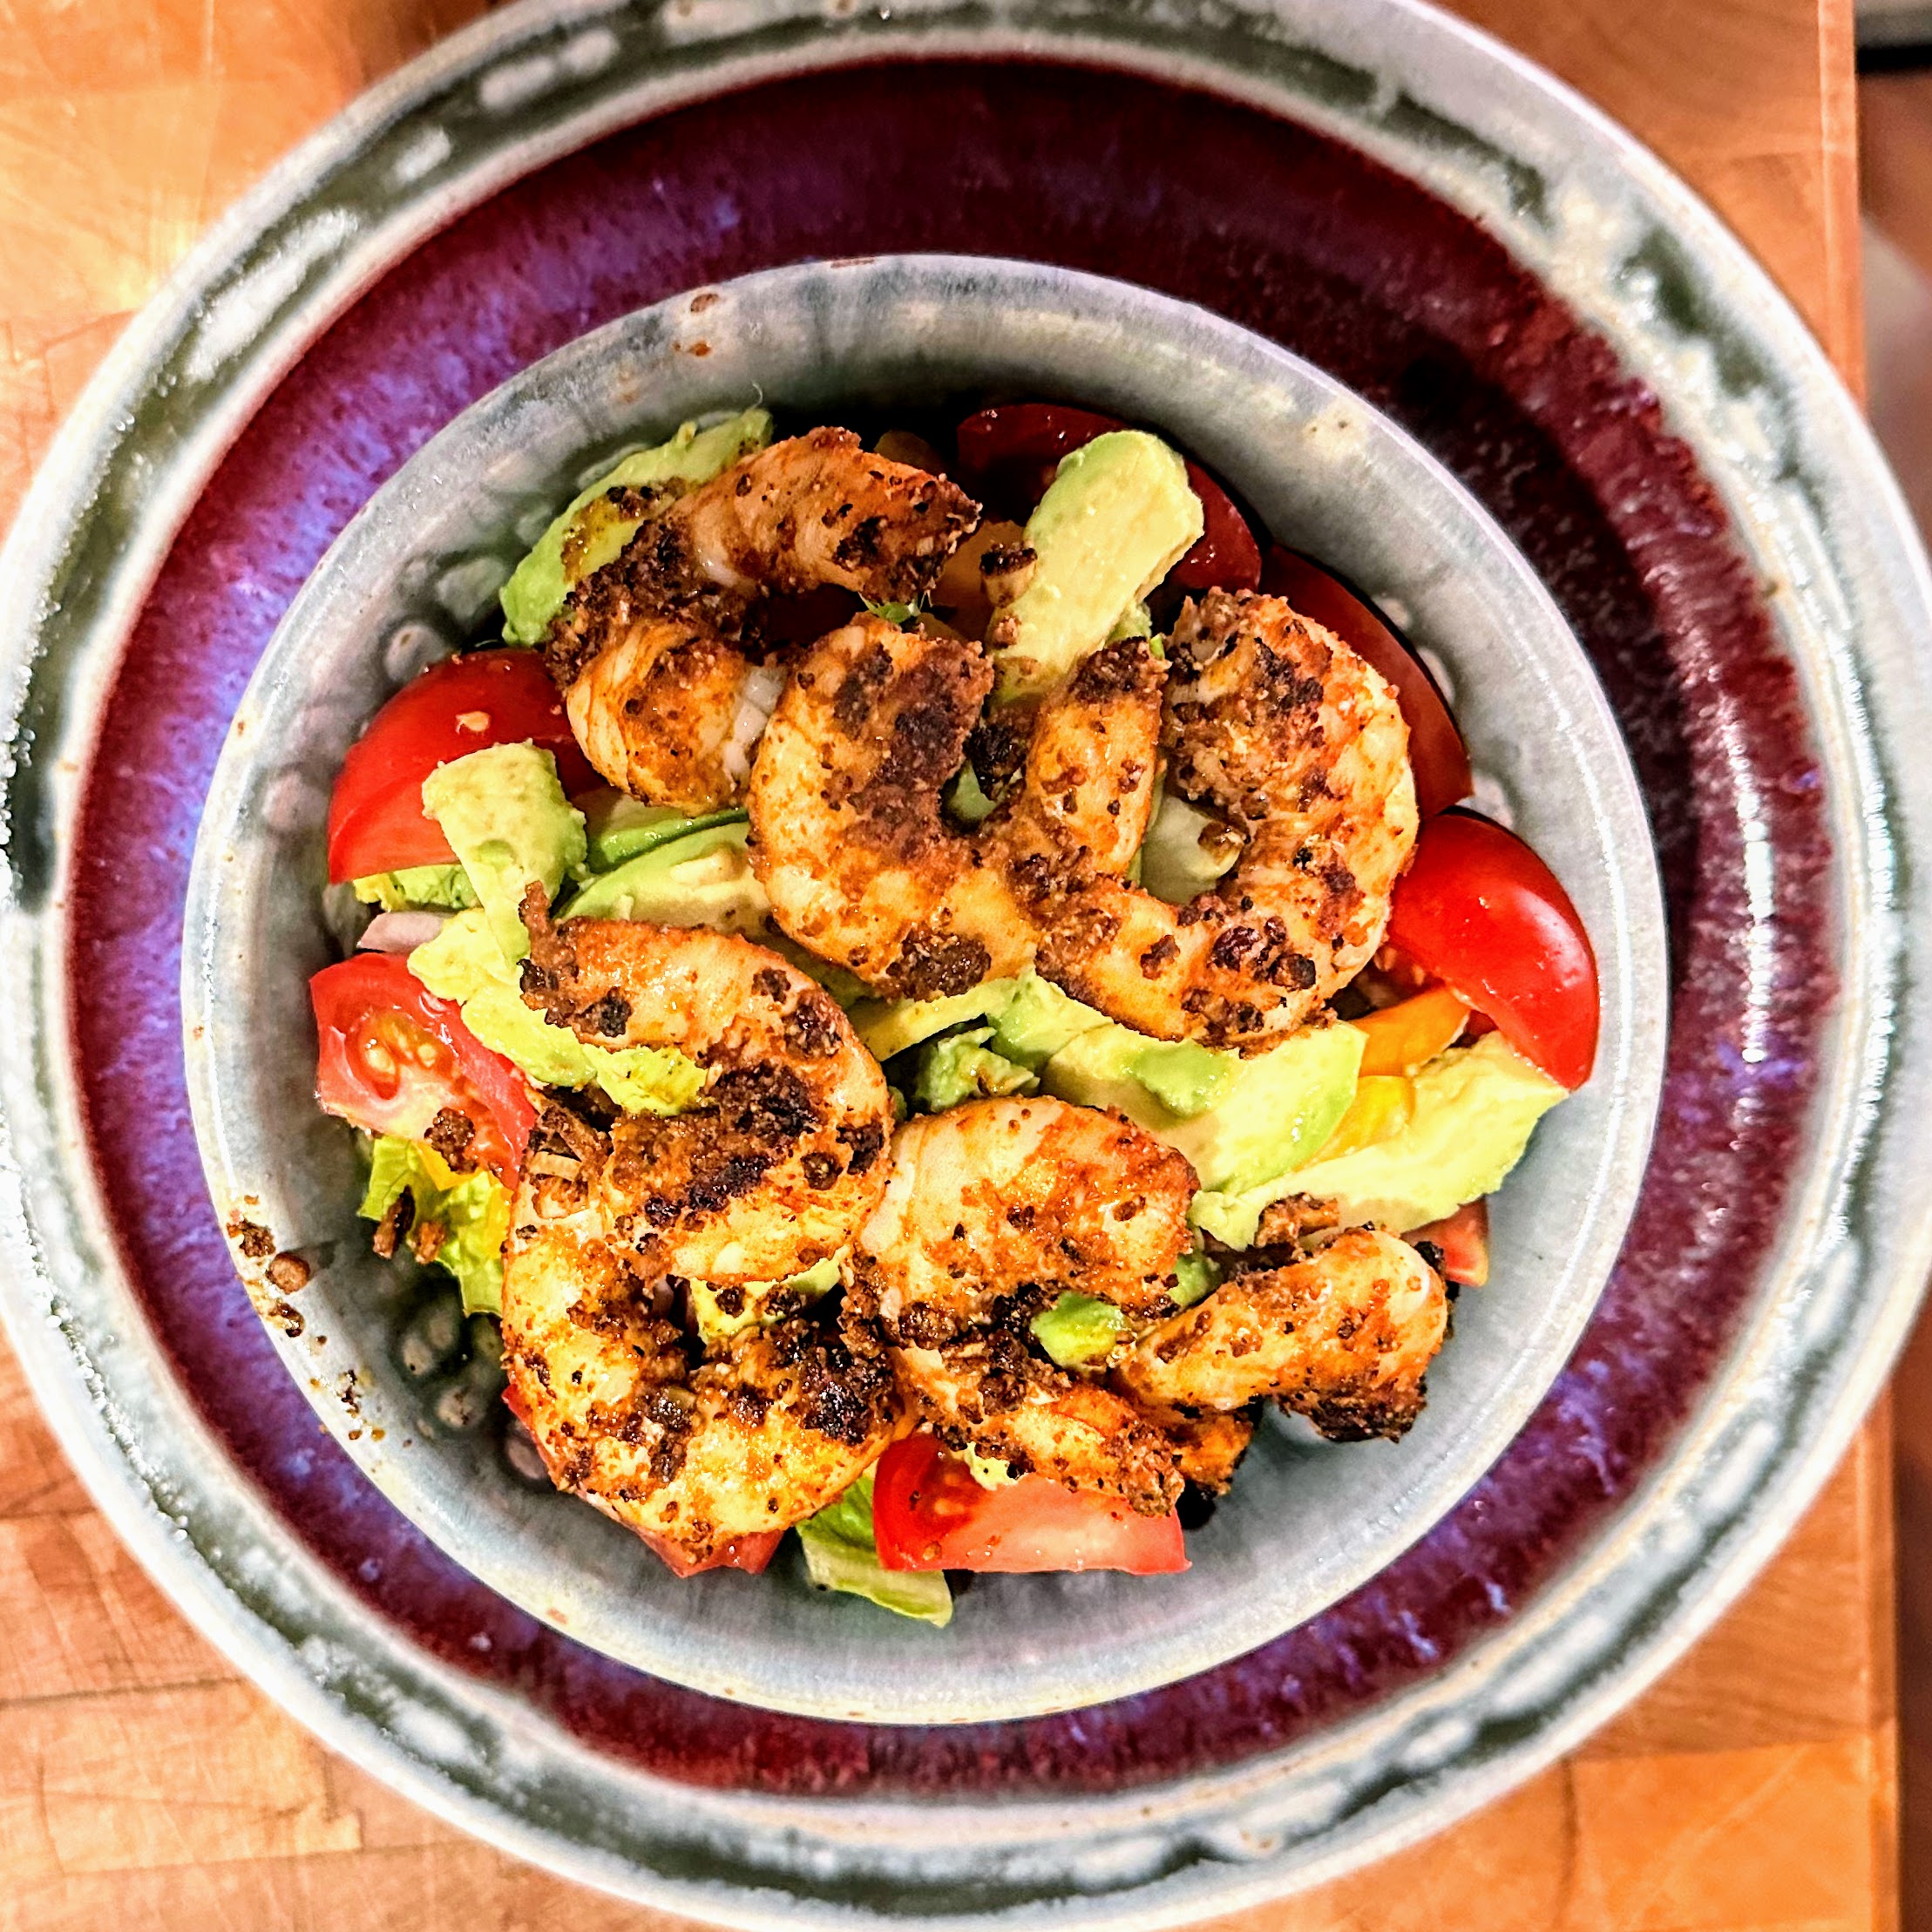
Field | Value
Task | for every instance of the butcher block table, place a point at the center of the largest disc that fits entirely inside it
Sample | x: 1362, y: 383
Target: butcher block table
x: 143, y: 1784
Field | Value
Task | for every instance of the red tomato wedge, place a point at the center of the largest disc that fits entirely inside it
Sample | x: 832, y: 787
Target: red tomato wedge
x: 1464, y: 1240
x: 376, y: 818
x: 394, y: 1055
x: 1478, y: 910
x: 1019, y: 445
x: 929, y: 1514
x: 750, y: 1553
x: 1436, y: 750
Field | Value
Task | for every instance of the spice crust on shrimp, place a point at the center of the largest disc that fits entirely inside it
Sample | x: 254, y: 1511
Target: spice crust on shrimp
x: 1342, y: 1337
x: 1276, y: 726
x: 992, y: 1210
x: 657, y: 653
x: 850, y: 837
x: 776, y: 1170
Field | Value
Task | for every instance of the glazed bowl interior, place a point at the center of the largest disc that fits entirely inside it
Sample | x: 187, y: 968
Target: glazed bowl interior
x: 380, y: 1350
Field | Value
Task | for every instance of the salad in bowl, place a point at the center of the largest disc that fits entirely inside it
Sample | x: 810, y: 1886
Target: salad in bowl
x: 930, y: 978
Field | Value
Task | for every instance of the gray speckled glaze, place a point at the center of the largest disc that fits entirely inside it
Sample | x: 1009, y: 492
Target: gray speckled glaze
x: 1307, y: 1522
x: 1647, y: 265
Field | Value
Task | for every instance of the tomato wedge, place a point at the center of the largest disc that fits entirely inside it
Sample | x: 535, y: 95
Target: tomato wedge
x: 929, y: 1514
x: 1478, y: 910
x: 376, y: 818
x: 393, y: 1056
x: 1017, y: 446
x: 1463, y: 1238
x: 1436, y: 750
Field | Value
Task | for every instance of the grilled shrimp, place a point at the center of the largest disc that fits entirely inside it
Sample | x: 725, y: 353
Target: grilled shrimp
x: 1342, y: 1337
x: 991, y: 1210
x: 780, y: 1163
x: 849, y: 836
x: 656, y: 655
x: 777, y: 1169
x: 1274, y: 724
x: 755, y: 1439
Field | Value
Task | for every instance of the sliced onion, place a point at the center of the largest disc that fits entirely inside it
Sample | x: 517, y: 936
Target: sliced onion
x: 400, y: 931
x: 758, y: 696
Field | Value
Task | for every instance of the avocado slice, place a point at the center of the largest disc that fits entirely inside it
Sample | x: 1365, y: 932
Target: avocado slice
x: 1078, y: 1330
x: 702, y: 878
x: 718, y: 1324
x: 619, y: 827
x: 1039, y: 1020
x: 1259, y: 1115
x: 1475, y: 1110
x: 508, y: 821
x: 591, y: 531
x: 464, y: 963
x: 1117, y: 516
x: 961, y: 1068
x: 1186, y: 850
x: 889, y: 1026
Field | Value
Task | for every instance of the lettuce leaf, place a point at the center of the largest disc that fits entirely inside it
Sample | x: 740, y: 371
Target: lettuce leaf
x: 841, y: 1554
x: 471, y: 1210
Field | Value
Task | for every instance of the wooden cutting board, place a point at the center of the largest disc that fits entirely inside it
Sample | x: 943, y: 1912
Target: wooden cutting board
x: 146, y: 1786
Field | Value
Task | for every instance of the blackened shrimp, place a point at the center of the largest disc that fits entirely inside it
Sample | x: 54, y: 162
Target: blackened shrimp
x: 849, y: 835
x: 774, y: 1171
x: 1274, y: 726
x: 781, y: 1160
x: 656, y: 653
x: 755, y: 1439
x: 992, y: 1211
x: 1343, y: 1338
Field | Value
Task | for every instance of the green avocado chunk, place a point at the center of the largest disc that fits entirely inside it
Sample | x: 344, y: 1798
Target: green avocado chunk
x: 619, y: 827
x: 961, y: 1068
x: 889, y: 1026
x: 718, y: 1323
x: 702, y: 878
x: 592, y: 532
x: 464, y: 963
x: 841, y: 1554
x: 1078, y: 1330
x: 431, y: 888
x: 1241, y: 1121
x: 1117, y: 516
x: 1175, y: 864
x: 507, y: 820
x: 1475, y: 1108
x: 1039, y: 1020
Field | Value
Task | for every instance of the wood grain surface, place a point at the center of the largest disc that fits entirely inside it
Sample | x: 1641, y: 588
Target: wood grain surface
x: 147, y: 1786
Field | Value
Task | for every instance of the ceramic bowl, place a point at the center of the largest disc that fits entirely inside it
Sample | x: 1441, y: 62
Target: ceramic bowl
x: 417, y: 570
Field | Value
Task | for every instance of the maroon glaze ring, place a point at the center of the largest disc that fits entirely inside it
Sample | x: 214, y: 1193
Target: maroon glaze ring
x: 1270, y: 169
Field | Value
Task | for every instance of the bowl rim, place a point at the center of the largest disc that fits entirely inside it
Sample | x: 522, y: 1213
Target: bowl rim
x: 1780, y: 1407
x: 1054, y: 311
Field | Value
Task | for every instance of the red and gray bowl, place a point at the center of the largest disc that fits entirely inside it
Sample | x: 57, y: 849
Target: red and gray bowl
x: 1558, y: 412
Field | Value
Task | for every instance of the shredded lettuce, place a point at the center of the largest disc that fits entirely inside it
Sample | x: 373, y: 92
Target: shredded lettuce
x: 841, y: 1554
x: 471, y: 1210
x: 432, y: 888
x: 464, y: 963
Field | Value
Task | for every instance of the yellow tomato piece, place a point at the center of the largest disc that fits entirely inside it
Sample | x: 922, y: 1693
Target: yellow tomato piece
x: 1382, y: 1106
x: 1411, y: 1034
